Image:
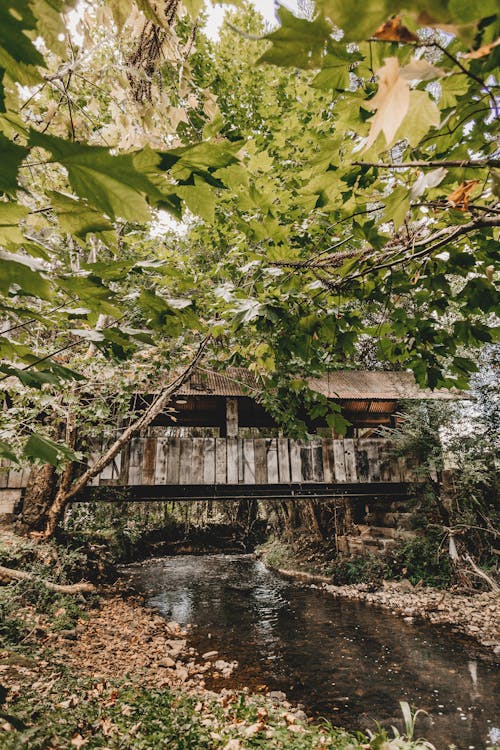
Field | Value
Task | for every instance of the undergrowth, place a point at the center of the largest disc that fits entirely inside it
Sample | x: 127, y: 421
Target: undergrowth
x: 78, y: 714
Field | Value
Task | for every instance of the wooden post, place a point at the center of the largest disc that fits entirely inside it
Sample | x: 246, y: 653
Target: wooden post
x: 231, y: 417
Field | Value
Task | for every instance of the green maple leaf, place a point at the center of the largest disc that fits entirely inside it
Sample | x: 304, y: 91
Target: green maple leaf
x: 112, y: 184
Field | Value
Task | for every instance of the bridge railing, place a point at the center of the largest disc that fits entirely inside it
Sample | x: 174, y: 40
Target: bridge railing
x: 194, y: 460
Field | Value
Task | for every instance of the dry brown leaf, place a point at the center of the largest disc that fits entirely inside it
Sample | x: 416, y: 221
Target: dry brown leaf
x: 482, y: 51
x: 391, y: 102
x: 394, y: 31
x: 459, y: 198
x: 78, y: 741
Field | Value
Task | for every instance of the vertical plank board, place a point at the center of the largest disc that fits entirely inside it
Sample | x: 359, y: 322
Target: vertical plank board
x: 328, y: 467
x: 260, y: 461
x: 317, y: 461
x: 173, y: 461
x: 350, y: 461
x: 231, y: 417
x: 232, y: 460
x: 295, y: 462
x: 107, y: 473
x: 26, y: 475
x: 125, y: 462
x: 220, y: 461
x: 209, y: 460
x: 339, y: 461
x: 161, y: 461
x: 92, y: 458
x: 384, y: 460
x: 15, y: 477
x: 4, y: 472
x: 248, y: 462
x: 306, y: 462
x: 197, y: 461
x: 148, y: 465
x: 283, y: 460
x: 241, y: 462
x: 373, y: 461
x: 185, y: 459
x: 116, y: 467
x: 135, y: 464
x: 395, y: 470
x: 361, y: 460
x: 272, y: 461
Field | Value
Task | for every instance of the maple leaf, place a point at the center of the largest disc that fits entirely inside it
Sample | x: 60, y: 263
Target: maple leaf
x: 459, y: 198
x: 392, y: 99
x: 391, y: 102
x: 394, y: 31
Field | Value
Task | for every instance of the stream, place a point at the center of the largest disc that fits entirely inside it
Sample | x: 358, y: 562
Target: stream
x: 345, y: 661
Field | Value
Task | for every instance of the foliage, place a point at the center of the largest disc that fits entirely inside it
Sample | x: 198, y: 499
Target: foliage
x: 369, y: 569
x: 111, y: 715
x: 309, y: 225
x: 421, y: 559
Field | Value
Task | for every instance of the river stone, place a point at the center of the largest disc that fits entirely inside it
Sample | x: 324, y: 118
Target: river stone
x: 176, y: 647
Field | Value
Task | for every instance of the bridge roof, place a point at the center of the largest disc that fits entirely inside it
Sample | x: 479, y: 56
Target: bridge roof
x: 349, y: 385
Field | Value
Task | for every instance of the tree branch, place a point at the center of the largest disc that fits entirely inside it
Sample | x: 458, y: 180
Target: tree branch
x: 466, y: 164
x: 64, y: 495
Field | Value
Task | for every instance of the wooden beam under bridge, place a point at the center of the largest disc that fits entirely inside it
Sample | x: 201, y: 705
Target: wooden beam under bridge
x: 227, y: 492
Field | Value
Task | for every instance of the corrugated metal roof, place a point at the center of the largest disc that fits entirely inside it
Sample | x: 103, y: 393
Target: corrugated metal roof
x: 360, y: 384
x: 235, y: 381
x: 342, y: 384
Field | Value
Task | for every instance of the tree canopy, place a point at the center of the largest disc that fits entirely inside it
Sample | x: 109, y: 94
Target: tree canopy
x: 332, y: 186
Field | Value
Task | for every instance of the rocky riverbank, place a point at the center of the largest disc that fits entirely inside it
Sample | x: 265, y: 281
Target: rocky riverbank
x: 476, y: 615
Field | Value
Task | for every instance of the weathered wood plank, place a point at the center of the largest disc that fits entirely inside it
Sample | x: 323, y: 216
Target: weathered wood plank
x: 248, y: 462
x: 317, y: 461
x: 241, y: 462
x: 232, y: 460
x: 4, y: 472
x: 328, y: 465
x: 295, y: 461
x: 135, y: 461
x: 350, y: 461
x: 161, y: 461
x: 260, y: 461
x: 185, y: 460
x: 283, y: 460
x: 231, y: 417
x: 361, y: 461
x: 15, y: 480
x: 148, y: 466
x: 197, y: 461
x: 384, y: 460
x: 220, y: 461
x: 107, y: 473
x: 173, y: 461
x: 272, y: 461
x: 209, y: 460
x: 116, y: 467
x: 339, y: 460
x: 373, y: 461
x: 306, y: 462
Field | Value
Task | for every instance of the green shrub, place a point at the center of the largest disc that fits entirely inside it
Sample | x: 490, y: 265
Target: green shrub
x: 421, y: 559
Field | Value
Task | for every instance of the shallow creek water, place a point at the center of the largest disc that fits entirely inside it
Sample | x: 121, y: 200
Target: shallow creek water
x: 345, y: 661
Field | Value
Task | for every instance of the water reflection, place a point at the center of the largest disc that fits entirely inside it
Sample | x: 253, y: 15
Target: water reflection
x: 344, y: 660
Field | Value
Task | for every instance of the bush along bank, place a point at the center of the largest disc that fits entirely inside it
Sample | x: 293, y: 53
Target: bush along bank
x: 475, y: 614
x: 102, y: 671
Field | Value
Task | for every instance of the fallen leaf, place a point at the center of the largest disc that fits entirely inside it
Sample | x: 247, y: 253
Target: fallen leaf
x: 394, y: 31
x: 459, y: 198
x: 482, y: 51
x: 233, y: 745
x: 78, y: 741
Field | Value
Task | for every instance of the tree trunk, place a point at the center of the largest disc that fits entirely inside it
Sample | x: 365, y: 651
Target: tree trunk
x: 38, y: 498
x: 68, y: 490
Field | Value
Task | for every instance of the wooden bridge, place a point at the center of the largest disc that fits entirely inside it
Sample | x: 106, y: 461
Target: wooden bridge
x: 196, y: 468
x: 199, y: 468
